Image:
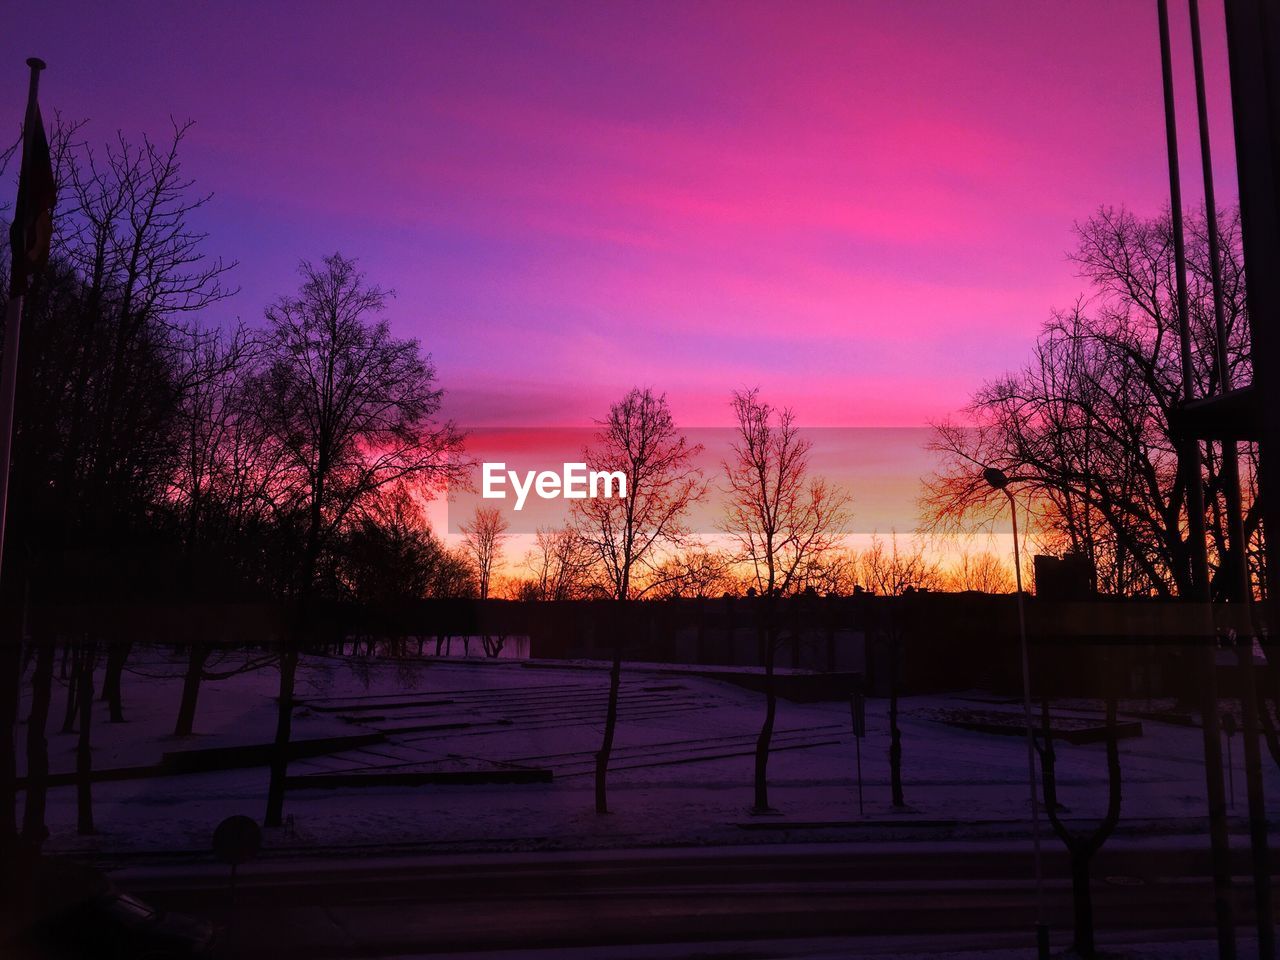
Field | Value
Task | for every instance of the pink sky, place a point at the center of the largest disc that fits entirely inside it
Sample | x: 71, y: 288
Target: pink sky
x: 861, y: 207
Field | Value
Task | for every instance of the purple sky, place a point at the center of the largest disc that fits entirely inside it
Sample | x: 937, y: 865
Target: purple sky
x: 861, y: 207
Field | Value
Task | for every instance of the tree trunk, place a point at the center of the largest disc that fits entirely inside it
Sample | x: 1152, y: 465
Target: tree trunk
x: 10, y: 686
x: 611, y: 714
x: 284, y: 725
x: 1082, y: 847
x: 895, y: 733
x: 768, y: 653
x: 1082, y: 900
x: 84, y: 753
x: 765, y: 739
x: 33, y: 825
x: 196, y: 656
x: 730, y: 630
x: 117, y: 656
x: 830, y: 626
x: 700, y: 637
x: 1269, y: 732
x: 71, y: 652
x: 610, y: 725
x: 293, y: 642
x: 795, y: 633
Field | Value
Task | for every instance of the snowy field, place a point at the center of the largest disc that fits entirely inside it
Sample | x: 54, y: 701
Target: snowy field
x: 681, y: 771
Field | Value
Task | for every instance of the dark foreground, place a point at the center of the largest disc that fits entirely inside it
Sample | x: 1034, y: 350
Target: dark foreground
x: 884, y: 896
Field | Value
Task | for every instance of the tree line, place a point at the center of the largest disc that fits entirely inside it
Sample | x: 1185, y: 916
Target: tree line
x: 561, y: 567
x: 160, y: 455
x: 1088, y: 427
x: 1090, y: 430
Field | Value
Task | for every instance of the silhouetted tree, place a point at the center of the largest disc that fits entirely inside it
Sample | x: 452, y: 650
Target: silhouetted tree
x: 238, y: 532
x: 983, y: 572
x: 783, y: 519
x: 894, y: 572
x: 351, y: 410
x: 450, y: 574
x: 891, y: 570
x: 640, y: 440
x: 695, y: 573
x: 33, y: 813
x: 561, y: 565
x: 98, y: 390
x: 1087, y: 426
x: 831, y: 573
x: 131, y: 240
x: 389, y: 554
x: 482, y: 536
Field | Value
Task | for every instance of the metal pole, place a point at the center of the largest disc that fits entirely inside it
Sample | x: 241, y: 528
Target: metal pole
x: 860, y: 810
x: 1231, y: 777
x: 1042, y: 930
x: 858, y: 724
x: 8, y: 391
x: 1239, y: 585
x: 12, y: 331
x: 1190, y: 464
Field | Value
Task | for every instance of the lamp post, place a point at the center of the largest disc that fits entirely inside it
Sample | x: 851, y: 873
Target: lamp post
x: 999, y: 481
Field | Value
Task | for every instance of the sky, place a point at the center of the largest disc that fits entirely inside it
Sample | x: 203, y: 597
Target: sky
x: 861, y: 207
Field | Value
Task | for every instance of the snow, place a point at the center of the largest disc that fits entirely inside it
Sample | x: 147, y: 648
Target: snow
x: 681, y: 772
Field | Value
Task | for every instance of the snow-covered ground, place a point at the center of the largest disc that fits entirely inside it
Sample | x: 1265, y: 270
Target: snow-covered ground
x: 681, y: 771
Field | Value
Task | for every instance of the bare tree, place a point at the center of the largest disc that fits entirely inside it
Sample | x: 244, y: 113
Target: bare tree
x: 1088, y: 425
x: 388, y: 552
x: 892, y: 572
x: 983, y: 572
x: 351, y: 409
x: 483, y: 536
x: 98, y: 387
x: 832, y: 573
x: 560, y: 565
x: 782, y: 520
x: 214, y: 367
x: 130, y: 238
x: 639, y: 439
x: 695, y: 573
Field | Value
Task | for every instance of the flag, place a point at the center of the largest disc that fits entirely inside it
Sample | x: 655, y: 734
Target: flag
x: 33, y: 215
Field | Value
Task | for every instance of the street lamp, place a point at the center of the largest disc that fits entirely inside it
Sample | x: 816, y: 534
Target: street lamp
x: 999, y: 481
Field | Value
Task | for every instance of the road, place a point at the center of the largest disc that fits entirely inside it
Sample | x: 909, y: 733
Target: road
x: 878, y: 894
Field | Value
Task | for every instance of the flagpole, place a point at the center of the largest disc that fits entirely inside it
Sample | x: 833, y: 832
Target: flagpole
x: 12, y: 331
